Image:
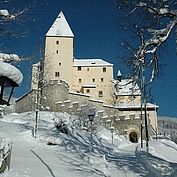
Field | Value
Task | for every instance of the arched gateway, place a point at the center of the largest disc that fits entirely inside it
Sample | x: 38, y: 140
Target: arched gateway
x: 133, y: 133
x: 133, y: 137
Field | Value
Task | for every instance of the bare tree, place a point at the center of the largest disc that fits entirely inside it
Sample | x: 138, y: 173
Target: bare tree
x: 152, y: 21
x: 6, y: 30
x: 38, y: 85
x: 8, y: 17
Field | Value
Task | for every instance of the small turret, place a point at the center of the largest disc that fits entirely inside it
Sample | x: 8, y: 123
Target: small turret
x: 119, y: 76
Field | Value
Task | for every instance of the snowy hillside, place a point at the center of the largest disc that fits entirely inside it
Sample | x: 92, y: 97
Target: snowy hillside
x: 168, y: 127
x: 79, y: 154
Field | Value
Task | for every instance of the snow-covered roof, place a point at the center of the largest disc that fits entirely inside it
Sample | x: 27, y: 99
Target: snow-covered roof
x: 126, y: 87
x: 119, y: 73
x: 91, y: 62
x: 36, y: 64
x: 60, y: 27
x: 11, y: 72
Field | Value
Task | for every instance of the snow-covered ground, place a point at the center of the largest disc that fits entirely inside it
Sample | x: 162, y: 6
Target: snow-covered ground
x: 79, y: 154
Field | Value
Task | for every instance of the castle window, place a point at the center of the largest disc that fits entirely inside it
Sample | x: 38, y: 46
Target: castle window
x: 57, y: 42
x: 56, y: 51
x: 60, y: 64
x: 40, y: 68
x: 57, y: 74
x: 132, y: 116
x: 80, y: 80
x: 104, y: 69
x: 87, y: 69
x: 101, y: 79
x: 122, y: 117
x: 79, y: 68
x: 93, y: 80
x: 100, y: 93
x: 88, y: 90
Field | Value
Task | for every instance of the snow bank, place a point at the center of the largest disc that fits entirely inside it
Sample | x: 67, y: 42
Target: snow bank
x: 93, y: 154
x: 164, y: 149
x: 155, y: 165
x: 12, y: 118
x: 11, y: 72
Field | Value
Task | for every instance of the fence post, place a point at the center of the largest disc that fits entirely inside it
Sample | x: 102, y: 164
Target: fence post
x: 5, y: 154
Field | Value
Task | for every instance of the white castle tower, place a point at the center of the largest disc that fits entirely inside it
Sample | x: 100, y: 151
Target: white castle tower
x: 58, y: 64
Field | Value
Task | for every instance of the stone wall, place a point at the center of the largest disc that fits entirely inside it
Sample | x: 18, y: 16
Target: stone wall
x: 25, y: 103
x: 56, y: 97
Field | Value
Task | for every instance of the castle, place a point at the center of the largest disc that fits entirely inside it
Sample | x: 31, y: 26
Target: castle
x: 70, y: 84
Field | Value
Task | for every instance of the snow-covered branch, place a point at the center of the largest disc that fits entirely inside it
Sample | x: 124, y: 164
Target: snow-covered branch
x: 161, y: 11
x: 9, y: 57
x: 152, y: 21
x: 6, y: 16
x: 151, y: 45
x: 4, y: 13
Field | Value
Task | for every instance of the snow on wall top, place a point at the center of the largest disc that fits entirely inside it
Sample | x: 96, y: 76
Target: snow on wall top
x: 60, y: 27
x: 37, y: 64
x: 11, y: 72
x: 126, y: 87
x: 135, y: 105
x: 91, y: 62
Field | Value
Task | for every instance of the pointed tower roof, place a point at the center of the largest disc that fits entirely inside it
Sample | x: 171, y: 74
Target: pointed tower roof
x: 119, y: 76
x: 60, y: 27
x: 119, y: 73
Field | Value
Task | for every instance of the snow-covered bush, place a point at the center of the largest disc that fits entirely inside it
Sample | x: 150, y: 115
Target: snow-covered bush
x: 80, y: 118
x: 62, y: 126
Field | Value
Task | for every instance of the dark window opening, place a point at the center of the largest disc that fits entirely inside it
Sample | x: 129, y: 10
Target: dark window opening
x: 57, y: 74
x: 79, y: 68
x: 104, y: 69
x: 100, y: 93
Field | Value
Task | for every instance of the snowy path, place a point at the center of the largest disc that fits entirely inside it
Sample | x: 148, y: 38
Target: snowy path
x: 31, y: 158
x: 73, y: 156
x: 34, y: 160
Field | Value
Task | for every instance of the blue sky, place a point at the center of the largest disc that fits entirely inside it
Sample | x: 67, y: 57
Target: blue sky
x: 97, y: 35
